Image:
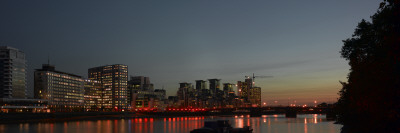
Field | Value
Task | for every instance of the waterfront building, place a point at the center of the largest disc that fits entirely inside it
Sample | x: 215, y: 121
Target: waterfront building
x: 200, y: 84
x: 12, y: 73
x: 185, y: 94
x: 214, y: 86
x: 228, y: 87
x: 8, y: 105
x: 142, y: 96
x: 249, y: 94
x: 242, y: 90
x: 142, y: 82
x: 93, y: 95
x: 114, y: 80
x: 204, y: 96
x: 255, y: 97
x: 229, y: 95
x: 64, y: 91
x: 173, y: 101
x: 200, y: 93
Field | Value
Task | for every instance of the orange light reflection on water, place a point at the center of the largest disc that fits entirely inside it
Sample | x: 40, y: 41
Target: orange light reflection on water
x: 239, y: 122
x: 305, y: 125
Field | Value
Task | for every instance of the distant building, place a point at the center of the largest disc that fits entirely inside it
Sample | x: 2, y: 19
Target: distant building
x: 114, y: 79
x: 93, y: 95
x: 142, y: 96
x: 142, y: 82
x: 201, y: 93
x: 185, y: 94
x: 228, y: 87
x: 12, y: 73
x: 200, y: 84
x: 173, y: 101
x: 214, y: 86
x: 64, y: 91
x: 248, y: 93
x: 242, y: 89
x: 255, y: 97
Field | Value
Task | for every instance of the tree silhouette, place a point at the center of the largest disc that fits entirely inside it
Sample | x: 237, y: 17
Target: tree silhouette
x: 370, y: 99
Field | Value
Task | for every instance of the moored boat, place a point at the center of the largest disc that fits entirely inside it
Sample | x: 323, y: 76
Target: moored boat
x: 221, y: 126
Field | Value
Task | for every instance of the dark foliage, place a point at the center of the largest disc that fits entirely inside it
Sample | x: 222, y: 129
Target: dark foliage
x: 370, y: 99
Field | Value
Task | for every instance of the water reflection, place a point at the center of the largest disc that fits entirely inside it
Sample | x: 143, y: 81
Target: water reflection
x: 267, y: 123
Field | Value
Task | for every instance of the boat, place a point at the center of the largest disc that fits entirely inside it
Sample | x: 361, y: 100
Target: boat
x: 221, y: 126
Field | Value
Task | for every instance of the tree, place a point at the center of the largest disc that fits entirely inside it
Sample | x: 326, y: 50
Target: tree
x: 370, y: 99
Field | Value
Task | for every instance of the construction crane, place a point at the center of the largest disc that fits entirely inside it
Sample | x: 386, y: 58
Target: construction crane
x: 253, y: 78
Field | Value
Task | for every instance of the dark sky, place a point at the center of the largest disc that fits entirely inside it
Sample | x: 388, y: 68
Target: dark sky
x: 297, y: 42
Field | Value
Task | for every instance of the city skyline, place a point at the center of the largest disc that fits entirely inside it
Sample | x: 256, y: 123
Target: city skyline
x: 228, y: 41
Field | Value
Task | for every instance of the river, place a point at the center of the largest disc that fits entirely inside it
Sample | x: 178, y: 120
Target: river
x: 308, y: 123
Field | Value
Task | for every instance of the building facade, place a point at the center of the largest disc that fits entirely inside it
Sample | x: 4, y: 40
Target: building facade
x: 12, y: 73
x: 114, y: 80
x: 214, y: 86
x: 93, y: 95
x: 255, y: 97
x: 64, y: 91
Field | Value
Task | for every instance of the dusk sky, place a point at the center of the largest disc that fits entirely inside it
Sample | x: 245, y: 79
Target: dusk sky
x: 296, y: 42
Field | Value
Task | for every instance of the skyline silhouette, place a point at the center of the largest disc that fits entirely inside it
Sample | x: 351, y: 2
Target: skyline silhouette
x: 184, y: 41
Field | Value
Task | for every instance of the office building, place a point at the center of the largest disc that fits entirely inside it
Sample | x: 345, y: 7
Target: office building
x: 64, y: 91
x: 200, y: 84
x: 93, y: 95
x: 114, y: 80
x: 255, y: 97
x: 214, y: 86
x: 12, y: 73
x: 142, y: 96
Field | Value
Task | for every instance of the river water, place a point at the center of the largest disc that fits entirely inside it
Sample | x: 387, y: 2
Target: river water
x: 310, y: 123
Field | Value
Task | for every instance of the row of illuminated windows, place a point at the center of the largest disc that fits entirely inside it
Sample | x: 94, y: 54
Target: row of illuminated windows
x: 90, y: 96
x: 53, y: 86
x: 63, y: 90
x: 56, y: 93
x: 64, y: 84
x: 58, y: 100
x: 64, y: 81
x: 78, y: 96
x: 74, y: 94
x: 59, y: 76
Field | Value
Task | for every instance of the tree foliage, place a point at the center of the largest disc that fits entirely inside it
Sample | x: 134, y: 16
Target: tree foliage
x: 370, y: 99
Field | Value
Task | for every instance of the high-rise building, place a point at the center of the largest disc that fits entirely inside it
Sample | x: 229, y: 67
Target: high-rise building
x: 185, y: 94
x: 249, y: 94
x: 64, y: 91
x: 214, y: 86
x: 12, y: 73
x: 228, y: 87
x: 93, y: 95
x: 255, y: 96
x: 242, y: 89
x: 142, y: 96
x: 142, y: 82
x: 229, y: 95
x: 200, y: 84
x: 114, y: 79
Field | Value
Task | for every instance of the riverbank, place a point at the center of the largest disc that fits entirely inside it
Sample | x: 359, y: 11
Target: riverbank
x: 12, y: 118
x: 9, y: 118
